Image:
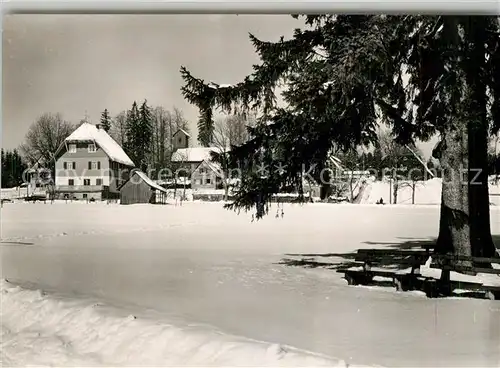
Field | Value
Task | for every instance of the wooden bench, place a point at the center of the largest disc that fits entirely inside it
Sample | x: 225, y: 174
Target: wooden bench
x: 35, y: 197
x: 402, y: 259
x: 448, y: 263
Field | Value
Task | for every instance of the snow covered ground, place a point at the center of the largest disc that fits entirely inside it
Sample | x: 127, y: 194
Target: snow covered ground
x: 206, y: 287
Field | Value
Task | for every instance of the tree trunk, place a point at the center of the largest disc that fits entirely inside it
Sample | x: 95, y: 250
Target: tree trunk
x: 395, y: 191
x: 226, y: 189
x: 479, y: 200
x: 465, y: 212
x: 475, y: 109
x: 351, y: 189
x: 454, y: 224
x: 413, y: 188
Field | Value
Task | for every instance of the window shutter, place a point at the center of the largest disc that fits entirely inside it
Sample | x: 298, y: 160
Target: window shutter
x: 65, y: 165
x: 98, y: 165
x: 74, y: 165
x: 90, y: 165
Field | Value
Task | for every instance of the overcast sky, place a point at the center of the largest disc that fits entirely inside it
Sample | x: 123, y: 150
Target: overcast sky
x: 73, y: 64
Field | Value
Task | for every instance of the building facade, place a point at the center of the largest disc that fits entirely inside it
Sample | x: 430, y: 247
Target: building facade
x: 207, y: 175
x: 90, y: 165
x: 195, y: 163
x: 180, y: 139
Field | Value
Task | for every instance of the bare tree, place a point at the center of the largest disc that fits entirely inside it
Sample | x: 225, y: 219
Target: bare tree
x: 416, y: 170
x: 165, y: 124
x: 392, y: 154
x: 405, y: 164
x: 119, y: 128
x: 174, y: 120
x: 178, y: 120
x: 493, y: 154
x: 221, y: 144
x: 228, y: 132
x: 44, y: 137
x: 162, y: 145
x: 412, y: 184
x: 236, y: 128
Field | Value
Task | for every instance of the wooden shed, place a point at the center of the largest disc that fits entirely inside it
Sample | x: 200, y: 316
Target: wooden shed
x: 141, y: 189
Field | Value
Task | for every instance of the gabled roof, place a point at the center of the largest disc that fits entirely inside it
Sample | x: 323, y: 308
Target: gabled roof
x: 89, y: 132
x: 146, y: 179
x: 183, y: 131
x: 194, y: 154
x: 214, y: 166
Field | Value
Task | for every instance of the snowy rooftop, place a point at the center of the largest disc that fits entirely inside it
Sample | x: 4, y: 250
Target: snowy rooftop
x: 194, y: 154
x: 214, y: 166
x: 148, y: 181
x: 89, y: 132
x: 183, y: 131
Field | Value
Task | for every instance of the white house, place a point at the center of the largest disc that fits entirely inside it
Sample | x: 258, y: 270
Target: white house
x: 90, y: 164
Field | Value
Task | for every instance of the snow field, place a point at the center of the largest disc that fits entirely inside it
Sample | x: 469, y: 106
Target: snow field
x: 43, y: 331
x: 211, y: 276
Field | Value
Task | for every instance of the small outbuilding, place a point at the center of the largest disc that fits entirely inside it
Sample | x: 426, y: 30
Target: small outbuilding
x: 139, y: 188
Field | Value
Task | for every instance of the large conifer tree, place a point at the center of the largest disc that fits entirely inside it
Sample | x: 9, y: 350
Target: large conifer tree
x: 132, y: 144
x: 106, y: 120
x: 145, y: 137
x: 342, y: 75
x: 13, y: 168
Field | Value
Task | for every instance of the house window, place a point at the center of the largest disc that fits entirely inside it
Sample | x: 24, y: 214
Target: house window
x: 207, y: 181
x: 72, y: 148
x: 84, y: 195
x: 92, y: 147
x: 180, y: 140
x: 94, y: 165
x: 86, y: 181
x: 98, y: 182
x: 71, y: 182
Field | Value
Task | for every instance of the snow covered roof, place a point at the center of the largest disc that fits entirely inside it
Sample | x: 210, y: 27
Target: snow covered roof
x: 183, y: 131
x: 194, y: 154
x: 148, y: 181
x: 214, y: 166
x: 89, y: 132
